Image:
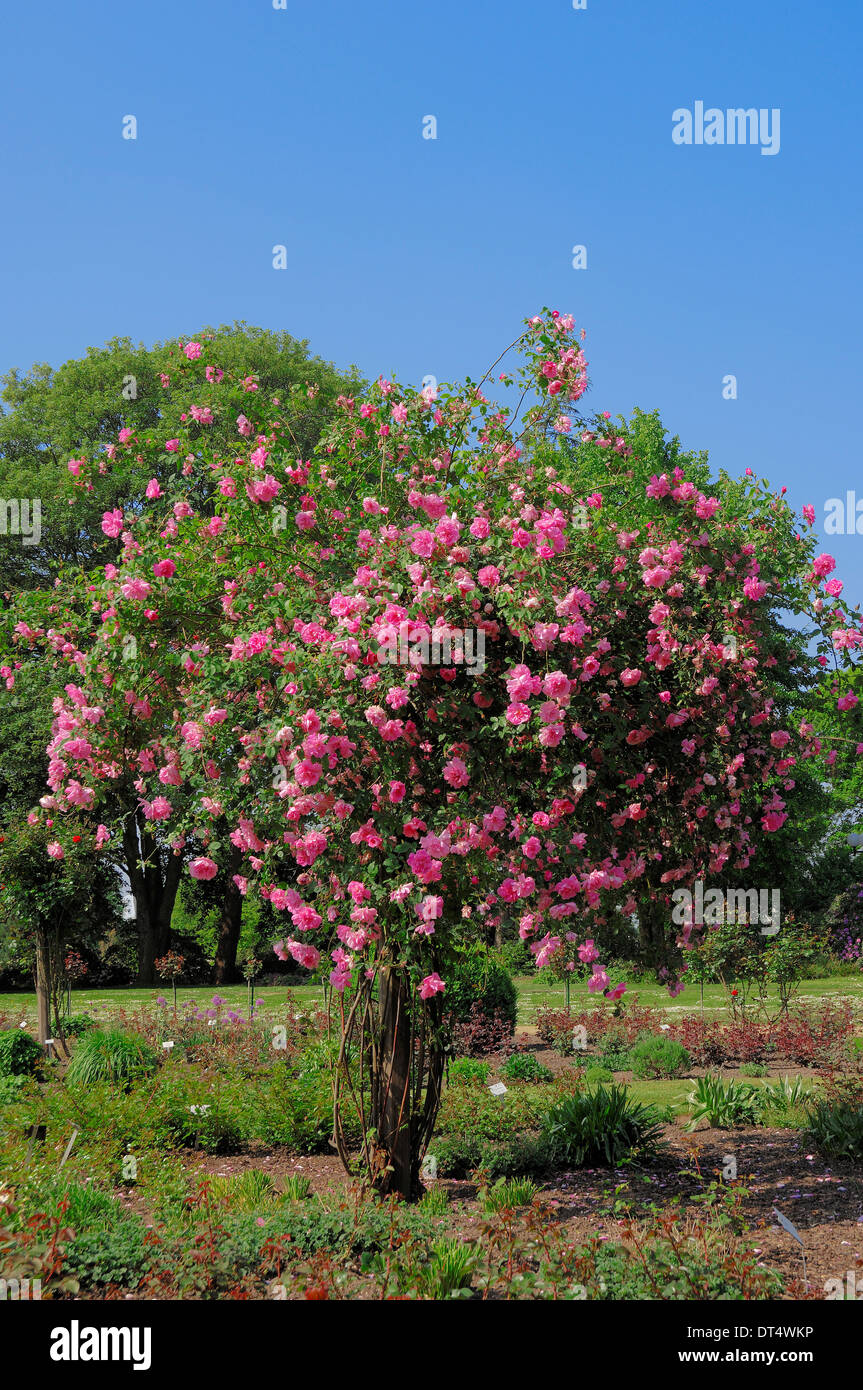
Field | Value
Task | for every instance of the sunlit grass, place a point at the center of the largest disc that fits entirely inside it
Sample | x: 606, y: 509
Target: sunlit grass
x: 535, y: 992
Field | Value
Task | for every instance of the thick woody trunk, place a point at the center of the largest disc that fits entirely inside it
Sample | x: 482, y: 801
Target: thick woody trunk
x: 394, y: 1128
x: 230, y: 924
x: 653, y: 932
x: 155, y: 890
x: 43, y: 984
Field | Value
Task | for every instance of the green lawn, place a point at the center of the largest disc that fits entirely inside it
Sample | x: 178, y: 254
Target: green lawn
x: 102, y: 1001
x: 533, y: 992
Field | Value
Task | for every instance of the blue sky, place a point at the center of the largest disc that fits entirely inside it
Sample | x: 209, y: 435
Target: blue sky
x: 408, y: 256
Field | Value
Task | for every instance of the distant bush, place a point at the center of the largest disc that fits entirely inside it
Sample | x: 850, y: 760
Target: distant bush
x: 481, y: 980
x: 480, y: 1034
x: 522, y: 1066
x: 659, y: 1057
x: 464, y: 1071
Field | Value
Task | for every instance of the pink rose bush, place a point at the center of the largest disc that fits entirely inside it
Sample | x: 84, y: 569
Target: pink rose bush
x: 385, y: 789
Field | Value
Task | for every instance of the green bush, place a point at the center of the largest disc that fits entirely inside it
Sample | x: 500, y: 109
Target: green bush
x: 658, y: 1057
x: 837, y: 1128
x: 469, y: 1110
x: 478, y: 976
x: 11, y: 1088
x: 614, y: 1059
x: 522, y: 1066
x: 458, y: 1155
x: 603, y: 1127
x: 19, y: 1052
x: 685, y: 1267
x: 110, y: 1055
x: 753, y: 1069
x: 76, y: 1025
x: 595, y: 1072
x: 466, y: 1070
x: 119, y: 1256
x: 515, y: 956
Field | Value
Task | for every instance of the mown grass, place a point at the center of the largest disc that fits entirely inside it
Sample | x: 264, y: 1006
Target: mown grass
x: 534, y: 992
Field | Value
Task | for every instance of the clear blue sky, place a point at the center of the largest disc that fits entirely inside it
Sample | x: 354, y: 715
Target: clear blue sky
x: 408, y: 256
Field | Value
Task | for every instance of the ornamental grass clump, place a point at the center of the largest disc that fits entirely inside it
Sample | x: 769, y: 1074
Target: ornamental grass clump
x: 110, y: 1055
x: 603, y: 1127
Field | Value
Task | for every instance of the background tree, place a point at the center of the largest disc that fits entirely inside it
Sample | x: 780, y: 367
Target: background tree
x: 53, y: 419
x: 51, y: 894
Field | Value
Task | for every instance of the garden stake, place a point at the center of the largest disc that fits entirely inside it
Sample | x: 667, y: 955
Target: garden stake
x: 69, y: 1147
x: 793, y: 1231
x: 37, y: 1135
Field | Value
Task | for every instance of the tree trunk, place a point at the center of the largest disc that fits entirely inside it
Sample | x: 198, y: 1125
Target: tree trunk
x: 43, y: 984
x: 228, y: 931
x: 394, y: 1126
x: 653, y: 928
x: 154, y: 886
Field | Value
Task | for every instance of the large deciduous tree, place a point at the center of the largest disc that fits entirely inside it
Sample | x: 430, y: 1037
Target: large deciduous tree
x: 51, y: 421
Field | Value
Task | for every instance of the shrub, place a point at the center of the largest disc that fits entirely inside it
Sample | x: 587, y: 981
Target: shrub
x: 460, y: 1155
x: 11, y: 1088
x: 481, y: 1033
x: 725, y: 1104
x: 613, y: 1027
x: 603, y: 1127
x: 475, y: 1112
x: 702, y: 1038
x: 596, y: 1072
x: 111, y: 1055
x: 467, y: 1070
x: 753, y: 1069
x: 480, y: 979
x: 613, y: 1059
x: 657, y: 1057
x: 76, y: 1025
x: 837, y: 1128
x: 515, y: 956
x: 119, y: 1256
x: 556, y: 1028
x: 522, y: 1066
x: 19, y: 1053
